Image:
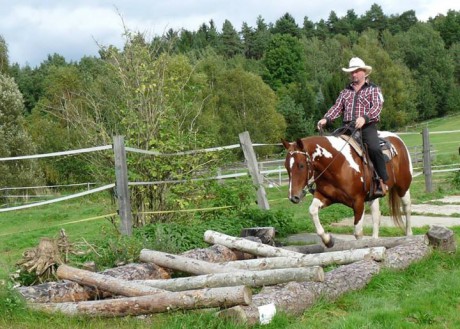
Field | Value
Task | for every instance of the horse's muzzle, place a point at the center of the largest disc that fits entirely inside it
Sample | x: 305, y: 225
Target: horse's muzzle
x: 298, y: 198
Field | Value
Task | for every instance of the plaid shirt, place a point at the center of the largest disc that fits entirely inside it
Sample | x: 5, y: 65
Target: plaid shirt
x: 366, y: 102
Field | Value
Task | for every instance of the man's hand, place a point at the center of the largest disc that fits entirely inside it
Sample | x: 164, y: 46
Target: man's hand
x: 360, y: 122
x: 321, y: 123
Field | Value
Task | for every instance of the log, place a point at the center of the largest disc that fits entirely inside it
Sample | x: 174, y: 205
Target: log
x: 442, y: 238
x: 57, y: 292
x: 400, y: 257
x: 213, y: 254
x: 160, y: 302
x: 245, y: 245
x: 388, y: 242
x: 323, y: 259
x: 68, y: 291
x: 265, y: 234
x: 180, y: 263
x: 104, y: 282
x: 295, y: 297
x: 252, y: 279
x: 141, y: 271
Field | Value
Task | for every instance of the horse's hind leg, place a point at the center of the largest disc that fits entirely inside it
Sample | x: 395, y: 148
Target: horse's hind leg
x: 407, y: 208
x: 316, y: 204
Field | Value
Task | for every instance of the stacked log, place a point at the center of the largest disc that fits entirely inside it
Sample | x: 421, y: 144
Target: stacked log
x: 292, y: 279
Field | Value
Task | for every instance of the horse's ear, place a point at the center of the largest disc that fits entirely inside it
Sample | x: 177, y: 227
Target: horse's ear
x: 286, y: 144
x: 299, y: 143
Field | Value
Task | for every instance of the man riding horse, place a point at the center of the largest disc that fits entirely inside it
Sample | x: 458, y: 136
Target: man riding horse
x: 360, y: 103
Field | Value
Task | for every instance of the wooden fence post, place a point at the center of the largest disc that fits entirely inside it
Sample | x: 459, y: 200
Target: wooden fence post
x: 121, y: 175
x: 257, y: 178
x: 427, y: 160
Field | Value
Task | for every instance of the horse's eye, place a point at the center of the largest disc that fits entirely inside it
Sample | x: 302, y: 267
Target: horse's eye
x: 301, y: 166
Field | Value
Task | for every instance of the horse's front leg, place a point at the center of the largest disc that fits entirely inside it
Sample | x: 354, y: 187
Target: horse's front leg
x: 358, y: 210
x: 317, y: 204
x: 375, y: 213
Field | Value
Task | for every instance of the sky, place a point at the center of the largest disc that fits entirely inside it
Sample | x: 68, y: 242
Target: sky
x: 34, y: 29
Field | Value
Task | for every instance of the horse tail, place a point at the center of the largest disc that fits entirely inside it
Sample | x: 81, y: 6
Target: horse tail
x: 394, y: 203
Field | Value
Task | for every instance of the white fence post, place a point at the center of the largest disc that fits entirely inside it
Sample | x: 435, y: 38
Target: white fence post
x: 257, y: 178
x: 121, y: 174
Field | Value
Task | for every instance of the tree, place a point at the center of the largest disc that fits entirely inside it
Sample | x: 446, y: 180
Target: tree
x: 423, y: 51
x: 231, y: 42
x: 374, y: 19
x: 245, y: 103
x: 15, y: 139
x: 248, y: 36
x: 448, y: 26
x: 403, y: 22
x: 308, y: 28
x: 4, y: 62
x: 285, y: 61
x: 294, y: 115
x: 286, y: 25
x: 262, y: 37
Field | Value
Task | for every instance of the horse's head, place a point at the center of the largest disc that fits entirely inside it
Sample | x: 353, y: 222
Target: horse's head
x: 298, y: 168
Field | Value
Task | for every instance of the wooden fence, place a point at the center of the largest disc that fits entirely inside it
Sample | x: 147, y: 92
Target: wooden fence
x: 261, y: 172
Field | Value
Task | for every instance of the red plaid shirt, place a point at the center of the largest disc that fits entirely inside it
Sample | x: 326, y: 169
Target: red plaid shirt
x: 366, y: 102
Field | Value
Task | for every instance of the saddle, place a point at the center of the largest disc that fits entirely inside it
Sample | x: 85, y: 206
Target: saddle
x: 354, y: 140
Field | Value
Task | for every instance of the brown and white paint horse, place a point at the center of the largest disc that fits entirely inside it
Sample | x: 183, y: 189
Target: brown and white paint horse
x: 340, y: 176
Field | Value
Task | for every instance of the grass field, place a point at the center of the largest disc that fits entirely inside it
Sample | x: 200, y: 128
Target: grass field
x: 427, y: 295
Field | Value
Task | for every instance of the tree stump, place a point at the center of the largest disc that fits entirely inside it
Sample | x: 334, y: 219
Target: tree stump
x: 442, y: 238
x: 265, y: 234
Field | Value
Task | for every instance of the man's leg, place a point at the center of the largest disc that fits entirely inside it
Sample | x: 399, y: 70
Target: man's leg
x: 370, y: 137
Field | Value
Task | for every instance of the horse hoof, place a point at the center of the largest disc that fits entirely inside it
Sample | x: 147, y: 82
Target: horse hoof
x: 331, y: 242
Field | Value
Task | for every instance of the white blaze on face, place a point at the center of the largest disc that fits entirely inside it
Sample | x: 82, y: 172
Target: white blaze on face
x: 291, y: 165
x: 343, y: 147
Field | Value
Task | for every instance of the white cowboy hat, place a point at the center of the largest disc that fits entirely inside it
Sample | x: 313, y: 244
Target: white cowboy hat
x: 357, y: 63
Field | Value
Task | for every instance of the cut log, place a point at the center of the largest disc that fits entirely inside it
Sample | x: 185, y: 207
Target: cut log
x: 67, y: 291
x: 245, y: 245
x: 252, y: 279
x: 160, y: 302
x: 442, y: 238
x: 400, y: 257
x: 294, y: 298
x: 180, y: 263
x: 138, y: 271
x: 213, y: 254
x: 323, y: 259
x: 57, y: 292
x: 104, y: 282
x: 265, y: 234
x: 388, y: 242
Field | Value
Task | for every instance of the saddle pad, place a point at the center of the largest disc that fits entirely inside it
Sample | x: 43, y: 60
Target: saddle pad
x: 387, y: 148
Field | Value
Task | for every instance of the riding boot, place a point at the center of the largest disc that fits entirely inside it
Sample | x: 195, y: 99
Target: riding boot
x: 381, y: 189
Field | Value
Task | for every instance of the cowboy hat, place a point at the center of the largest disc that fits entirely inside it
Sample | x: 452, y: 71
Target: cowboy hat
x: 357, y: 63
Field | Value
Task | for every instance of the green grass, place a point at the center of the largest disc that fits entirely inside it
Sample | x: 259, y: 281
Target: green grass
x: 20, y: 230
